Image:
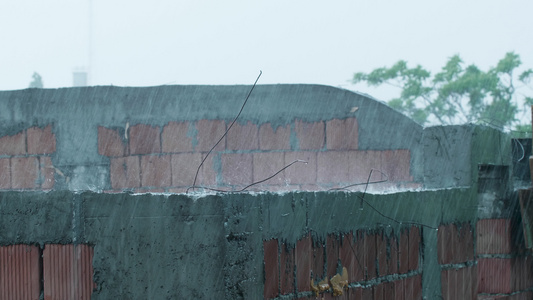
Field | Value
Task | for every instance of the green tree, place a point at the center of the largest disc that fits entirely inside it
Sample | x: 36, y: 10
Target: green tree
x: 458, y: 93
x: 37, y: 81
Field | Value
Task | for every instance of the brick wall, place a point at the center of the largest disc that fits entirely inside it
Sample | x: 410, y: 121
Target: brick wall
x: 26, y: 159
x: 165, y: 159
x: 456, y: 258
x: 489, y: 262
x: 379, y: 266
x: 55, y: 271
x: 494, y: 265
x: 505, y: 268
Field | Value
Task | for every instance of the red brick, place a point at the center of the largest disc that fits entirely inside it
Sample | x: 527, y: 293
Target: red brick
x: 355, y: 293
x: 367, y: 293
x: 466, y: 242
x: 517, y: 281
x: 349, y: 167
x: 347, y: 294
x: 209, y: 133
x: 446, y: 241
x: 13, y: 145
x: 403, y: 252
x: 332, y: 254
x: 144, y: 139
x: 156, y: 171
x: 310, y: 135
x: 351, y: 259
x: 494, y: 275
x: 47, y: 172
x: 522, y: 273
x: 266, y: 165
x: 271, y: 288
x: 469, y: 288
x: 24, y: 172
x: 393, y: 259
x: 381, y: 249
x: 318, y: 260
x: 362, y: 163
x: 41, y: 141
x: 110, y: 143
x: 444, y: 285
x: 342, y: 134
x: 413, y: 287
x: 175, y: 137
x: 333, y: 167
x: 243, y: 137
x: 399, y: 290
x: 473, y: 281
x: 19, y: 271
x: 5, y: 174
x: 455, y: 244
x: 389, y: 291
x: 287, y: 269
x: 378, y: 292
x: 237, y: 169
x: 125, y: 172
x: 370, y: 256
x: 360, y: 250
x: 185, y: 165
x: 278, y: 138
x: 303, y: 263
x: 493, y: 236
x: 301, y: 172
x: 455, y: 284
x: 414, y: 248
x: 397, y: 165
x: 67, y: 271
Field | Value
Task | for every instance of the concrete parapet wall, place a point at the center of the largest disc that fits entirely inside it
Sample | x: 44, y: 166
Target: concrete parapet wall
x: 154, y: 139
x: 225, y: 245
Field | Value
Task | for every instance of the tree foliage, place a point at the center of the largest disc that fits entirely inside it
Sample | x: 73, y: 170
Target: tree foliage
x: 458, y: 93
x: 37, y: 81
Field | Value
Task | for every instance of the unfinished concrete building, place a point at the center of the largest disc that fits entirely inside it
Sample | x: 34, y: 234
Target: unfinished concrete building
x: 312, y: 192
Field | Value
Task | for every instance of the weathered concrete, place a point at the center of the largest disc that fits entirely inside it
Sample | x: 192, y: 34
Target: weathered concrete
x: 174, y: 246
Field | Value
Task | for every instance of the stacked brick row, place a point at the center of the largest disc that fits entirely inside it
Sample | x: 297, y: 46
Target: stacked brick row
x: 505, y: 269
x: 25, y: 159
x: 145, y: 157
x: 498, y: 267
x: 378, y: 266
x: 57, y: 271
x: 455, y: 247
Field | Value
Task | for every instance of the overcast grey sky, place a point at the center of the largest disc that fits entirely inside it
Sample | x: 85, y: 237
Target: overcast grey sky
x: 143, y: 43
